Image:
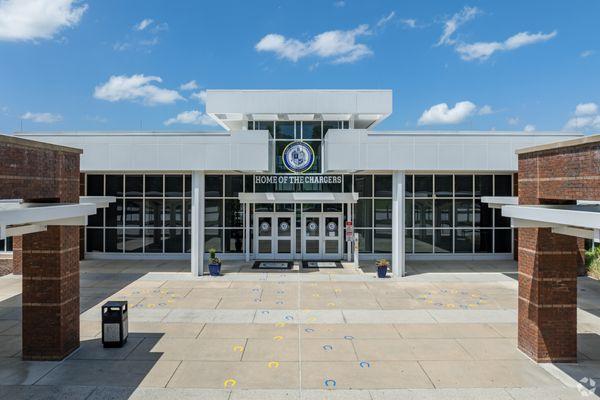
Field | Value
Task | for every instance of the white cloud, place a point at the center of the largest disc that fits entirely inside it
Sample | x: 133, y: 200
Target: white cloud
x: 136, y: 88
x: 513, y: 120
x: 201, y: 96
x: 586, y: 109
x: 585, y: 117
x: 37, y: 19
x: 385, y: 19
x: 452, y: 24
x: 143, y: 24
x: 442, y: 114
x: 409, y: 22
x: 587, y: 53
x: 483, y: 50
x: 485, y: 110
x: 191, y: 85
x: 339, y: 3
x: 340, y: 46
x: 193, y: 117
x: 45, y: 118
x: 529, y: 128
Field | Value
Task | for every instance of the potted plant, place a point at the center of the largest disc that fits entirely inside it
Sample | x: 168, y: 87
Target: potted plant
x: 214, y: 263
x: 382, y: 267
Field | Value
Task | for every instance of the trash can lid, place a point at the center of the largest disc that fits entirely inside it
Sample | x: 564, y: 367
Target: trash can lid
x: 110, y: 304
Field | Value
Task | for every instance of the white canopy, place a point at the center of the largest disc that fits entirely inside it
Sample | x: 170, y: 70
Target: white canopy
x: 298, y: 197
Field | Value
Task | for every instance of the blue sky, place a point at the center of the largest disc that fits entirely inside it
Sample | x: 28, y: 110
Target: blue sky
x: 120, y: 65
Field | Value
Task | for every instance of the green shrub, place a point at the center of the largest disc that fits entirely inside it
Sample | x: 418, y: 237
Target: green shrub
x: 592, y: 261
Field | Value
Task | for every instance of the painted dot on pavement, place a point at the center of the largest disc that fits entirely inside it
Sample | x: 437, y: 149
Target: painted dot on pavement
x: 348, y: 337
x: 364, y: 364
x: 327, y: 347
x: 273, y: 364
x: 229, y: 383
x: 329, y: 383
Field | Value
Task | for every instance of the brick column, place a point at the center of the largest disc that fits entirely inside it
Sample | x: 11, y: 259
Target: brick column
x: 547, y: 295
x: 51, y: 293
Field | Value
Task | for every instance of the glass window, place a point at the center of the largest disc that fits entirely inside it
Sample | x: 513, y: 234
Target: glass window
x: 234, y: 240
x: 408, y: 217
x: 134, y: 241
x: 383, y: 213
x: 311, y: 207
x: 188, y: 212
x: 213, y: 240
x: 382, y: 241
x: 483, y: 185
x: 96, y: 219
x: 263, y: 207
x: 464, y: 212
x: 347, y: 183
x: 333, y: 207
x: 94, y: 240
x: 363, y: 185
x: 114, y: 185
x: 483, y: 240
x: 284, y: 130
x: 214, y: 186
x: 503, y: 185
x: 500, y: 221
x: 408, y: 186
x: 249, y: 183
x: 173, y: 212
x: 463, y: 241
x: 483, y: 214
x: 154, y: 213
x: 264, y: 126
x: 443, y: 240
x: 365, y: 240
x: 383, y: 185
x: 463, y: 185
x: 423, y: 240
x: 134, y: 185
x: 234, y: 184
x: 187, y: 240
x: 133, y: 212
x: 423, y: 214
x: 114, y: 213
x: 173, y: 240
x: 316, y: 167
x: 423, y: 185
x: 173, y: 185
x: 213, y: 213
x: 95, y: 185
x: 311, y: 130
x: 113, y: 242
x: 443, y: 185
x: 327, y: 125
x: 234, y: 214
x: 153, y: 240
x: 363, y: 211
x: 154, y: 186
x: 443, y: 213
x: 188, y: 186
x: 408, y: 241
x: 502, y: 241
x: 250, y: 125
x: 284, y: 207
x: 280, y: 167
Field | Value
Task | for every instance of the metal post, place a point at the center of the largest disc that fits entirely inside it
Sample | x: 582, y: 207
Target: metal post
x: 197, y: 247
x: 247, y: 230
x: 398, y: 257
x: 349, y: 242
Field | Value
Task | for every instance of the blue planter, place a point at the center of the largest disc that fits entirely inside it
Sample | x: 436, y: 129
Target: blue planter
x: 214, y: 269
x: 381, y: 272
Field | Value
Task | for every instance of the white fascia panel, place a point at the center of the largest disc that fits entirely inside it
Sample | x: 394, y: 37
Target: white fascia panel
x: 576, y: 216
x: 301, y: 117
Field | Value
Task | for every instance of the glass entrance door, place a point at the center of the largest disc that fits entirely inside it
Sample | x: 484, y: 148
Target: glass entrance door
x: 322, y: 236
x: 274, y: 236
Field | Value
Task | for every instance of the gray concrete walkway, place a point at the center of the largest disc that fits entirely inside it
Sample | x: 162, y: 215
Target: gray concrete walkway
x: 447, y: 331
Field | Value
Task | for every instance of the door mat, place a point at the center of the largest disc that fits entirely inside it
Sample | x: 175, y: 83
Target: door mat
x: 273, y: 265
x: 322, y: 264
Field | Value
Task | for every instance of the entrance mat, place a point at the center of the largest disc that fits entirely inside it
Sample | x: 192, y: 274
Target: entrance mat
x: 322, y: 264
x: 273, y: 265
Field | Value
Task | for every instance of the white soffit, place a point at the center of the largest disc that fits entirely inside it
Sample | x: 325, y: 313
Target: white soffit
x: 301, y: 117
x: 336, y: 117
x: 298, y: 197
x: 265, y: 117
x: 499, y: 201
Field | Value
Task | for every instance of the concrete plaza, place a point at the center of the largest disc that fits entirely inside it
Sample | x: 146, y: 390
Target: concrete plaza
x: 446, y: 331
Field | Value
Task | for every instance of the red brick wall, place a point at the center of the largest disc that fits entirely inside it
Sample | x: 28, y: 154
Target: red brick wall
x: 49, y: 261
x: 548, y: 262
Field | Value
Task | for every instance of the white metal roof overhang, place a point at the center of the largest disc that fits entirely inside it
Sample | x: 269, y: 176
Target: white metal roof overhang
x: 580, y: 220
x: 19, y: 218
x: 298, y: 197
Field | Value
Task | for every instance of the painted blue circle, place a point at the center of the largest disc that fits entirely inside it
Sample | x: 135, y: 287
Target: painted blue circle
x: 298, y: 157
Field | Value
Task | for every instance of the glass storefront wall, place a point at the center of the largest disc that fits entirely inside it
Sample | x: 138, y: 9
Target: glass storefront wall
x: 444, y: 214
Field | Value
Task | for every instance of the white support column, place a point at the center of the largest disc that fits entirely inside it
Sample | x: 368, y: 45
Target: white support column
x: 349, y: 243
x: 197, y: 223
x: 398, y: 265
x: 247, y: 230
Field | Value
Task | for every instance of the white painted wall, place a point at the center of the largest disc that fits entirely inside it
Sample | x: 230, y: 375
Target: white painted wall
x: 359, y: 149
x: 132, y: 151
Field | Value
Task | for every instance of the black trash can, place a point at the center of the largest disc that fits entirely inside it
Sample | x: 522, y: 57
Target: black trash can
x: 115, y: 328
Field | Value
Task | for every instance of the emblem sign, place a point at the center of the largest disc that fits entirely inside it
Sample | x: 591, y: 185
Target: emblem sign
x: 298, y: 157
x: 284, y: 226
x: 265, y: 226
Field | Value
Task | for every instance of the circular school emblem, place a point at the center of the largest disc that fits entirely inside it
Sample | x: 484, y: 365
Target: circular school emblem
x: 265, y: 226
x: 298, y: 157
x: 284, y: 226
